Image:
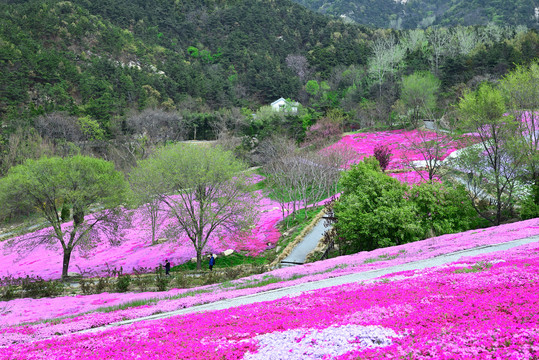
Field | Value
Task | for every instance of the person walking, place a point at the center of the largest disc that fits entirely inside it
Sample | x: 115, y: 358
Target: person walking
x: 212, y: 262
x: 167, y: 268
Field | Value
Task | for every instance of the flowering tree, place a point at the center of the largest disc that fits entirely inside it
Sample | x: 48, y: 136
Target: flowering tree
x: 203, y: 189
x: 63, y: 190
x: 382, y: 153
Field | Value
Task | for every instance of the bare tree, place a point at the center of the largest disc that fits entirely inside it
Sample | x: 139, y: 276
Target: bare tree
x: 386, y: 55
x: 431, y: 147
x: 300, y: 178
x: 158, y: 126
x: 300, y: 65
x: 439, y: 41
x: 59, y: 125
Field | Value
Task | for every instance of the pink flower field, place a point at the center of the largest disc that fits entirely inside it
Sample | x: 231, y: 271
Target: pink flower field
x: 483, y: 307
x: 81, y: 315
x: 400, y: 142
x: 136, y: 250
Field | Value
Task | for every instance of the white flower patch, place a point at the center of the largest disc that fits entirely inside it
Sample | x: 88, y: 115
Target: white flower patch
x: 319, y: 344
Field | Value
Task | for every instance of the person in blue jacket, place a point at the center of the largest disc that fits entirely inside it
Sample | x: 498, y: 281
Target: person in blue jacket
x: 212, y: 262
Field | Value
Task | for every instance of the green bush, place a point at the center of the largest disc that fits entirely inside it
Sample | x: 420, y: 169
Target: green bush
x: 377, y: 211
x: 443, y: 208
x: 529, y: 209
x: 123, y: 282
x: 7, y: 292
x: 87, y: 286
x: 140, y: 279
x: 37, y: 287
x: 161, y: 280
x: 102, y: 285
x: 372, y: 211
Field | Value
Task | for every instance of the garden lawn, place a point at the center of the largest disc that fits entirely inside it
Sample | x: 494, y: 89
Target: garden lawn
x: 484, y: 307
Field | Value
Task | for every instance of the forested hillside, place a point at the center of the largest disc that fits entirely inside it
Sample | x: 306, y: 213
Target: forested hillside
x: 117, y: 78
x: 100, y: 58
x: 413, y: 14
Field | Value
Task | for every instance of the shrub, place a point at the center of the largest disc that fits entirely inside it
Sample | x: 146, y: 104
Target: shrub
x: 102, y: 285
x: 180, y: 281
x: 140, y: 279
x: 382, y: 153
x: 442, y: 208
x: 7, y: 292
x: 123, y: 282
x: 161, y: 280
x: 528, y: 208
x: 372, y: 211
x: 37, y: 287
x: 376, y: 210
x: 87, y: 286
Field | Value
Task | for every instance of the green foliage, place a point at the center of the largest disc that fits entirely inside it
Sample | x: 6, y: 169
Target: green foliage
x: 372, y: 211
x: 418, y: 92
x: 91, y: 129
x: 422, y: 13
x: 161, y: 280
x: 376, y: 210
x: 312, y: 87
x: 494, y: 166
x: 37, y: 288
x: 77, y: 183
x: 211, y: 190
x: 123, y: 282
x: 442, y: 208
x: 483, y: 107
x: 480, y: 266
x: 529, y: 208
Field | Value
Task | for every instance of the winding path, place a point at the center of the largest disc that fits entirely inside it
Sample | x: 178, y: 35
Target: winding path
x: 297, y: 290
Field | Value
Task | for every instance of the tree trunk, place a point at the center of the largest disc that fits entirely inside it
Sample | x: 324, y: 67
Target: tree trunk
x: 199, y: 258
x: 535, y: 190
x: 65, y: 264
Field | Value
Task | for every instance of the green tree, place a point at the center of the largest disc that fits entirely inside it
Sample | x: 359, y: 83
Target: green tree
x: 418, y: 92
x: 64, y: 190
x: 521, y: 89
x: 494, y: 165
x: 203, y: 189
x: 375, y: 210
x: 372, y: 211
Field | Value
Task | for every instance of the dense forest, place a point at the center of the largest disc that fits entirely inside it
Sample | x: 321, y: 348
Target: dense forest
x: 413, y: 14
x: 114, y: 78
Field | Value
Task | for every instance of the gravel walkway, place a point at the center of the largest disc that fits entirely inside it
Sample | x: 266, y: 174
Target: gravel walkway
x: 352, y: 278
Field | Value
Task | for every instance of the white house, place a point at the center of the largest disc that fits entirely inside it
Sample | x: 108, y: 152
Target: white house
x: 285, y: 105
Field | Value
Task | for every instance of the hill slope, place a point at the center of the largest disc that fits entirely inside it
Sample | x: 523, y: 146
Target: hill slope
x: 102, y: 57
x: 422, y: 13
